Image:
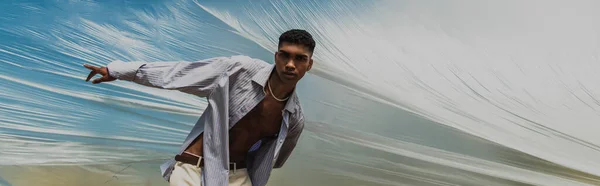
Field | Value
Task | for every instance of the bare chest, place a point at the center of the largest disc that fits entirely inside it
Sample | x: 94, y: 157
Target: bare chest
x: 263, y: 120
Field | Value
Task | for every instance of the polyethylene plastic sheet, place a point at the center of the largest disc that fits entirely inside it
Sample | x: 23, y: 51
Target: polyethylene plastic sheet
x: 401, y: 93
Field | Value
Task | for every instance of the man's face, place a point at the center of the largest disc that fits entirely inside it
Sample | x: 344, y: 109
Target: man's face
x: 292, y: 61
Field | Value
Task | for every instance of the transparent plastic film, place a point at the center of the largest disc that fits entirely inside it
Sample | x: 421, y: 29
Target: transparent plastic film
x: 401, y: 92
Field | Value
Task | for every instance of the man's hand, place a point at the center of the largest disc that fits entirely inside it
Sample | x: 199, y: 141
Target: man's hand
x: 98, y: 70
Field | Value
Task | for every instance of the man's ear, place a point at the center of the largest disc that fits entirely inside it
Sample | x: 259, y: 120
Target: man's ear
x: 310, y: 63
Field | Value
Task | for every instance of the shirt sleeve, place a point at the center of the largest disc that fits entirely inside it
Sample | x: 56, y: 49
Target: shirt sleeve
x: 197, y: 78
x: 290, y: 143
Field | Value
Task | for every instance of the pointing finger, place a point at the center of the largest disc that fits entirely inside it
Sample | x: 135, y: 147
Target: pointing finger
x: 89, y: 67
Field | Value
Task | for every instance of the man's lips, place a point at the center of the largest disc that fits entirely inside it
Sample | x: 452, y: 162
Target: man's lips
x: 289, y: 74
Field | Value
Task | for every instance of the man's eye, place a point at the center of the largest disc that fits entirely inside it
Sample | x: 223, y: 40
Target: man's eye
x: 301, y: 58
x: 284, y: 55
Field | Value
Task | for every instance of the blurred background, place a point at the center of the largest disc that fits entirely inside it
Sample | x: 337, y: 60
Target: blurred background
x: 402, y: 92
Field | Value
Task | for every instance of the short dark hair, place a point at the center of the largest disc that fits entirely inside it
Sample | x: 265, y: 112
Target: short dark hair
x: 300, y: 37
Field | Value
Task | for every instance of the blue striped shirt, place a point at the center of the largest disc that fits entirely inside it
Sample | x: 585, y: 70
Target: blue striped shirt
x: 233, y: 86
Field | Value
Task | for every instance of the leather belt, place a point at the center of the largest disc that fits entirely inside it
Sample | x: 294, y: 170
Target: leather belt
x: 193, y: 160
x: 189, y: 159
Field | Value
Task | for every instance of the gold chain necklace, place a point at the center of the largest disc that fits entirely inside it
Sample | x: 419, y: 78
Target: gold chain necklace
x: 273, y: 95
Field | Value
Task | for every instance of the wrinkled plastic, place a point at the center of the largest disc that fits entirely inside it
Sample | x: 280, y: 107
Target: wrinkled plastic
x: 402, y: 92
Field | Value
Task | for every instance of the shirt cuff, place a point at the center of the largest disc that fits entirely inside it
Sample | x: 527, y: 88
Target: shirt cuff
x: 123, y: 70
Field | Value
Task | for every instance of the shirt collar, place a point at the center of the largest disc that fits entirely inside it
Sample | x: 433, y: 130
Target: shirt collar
x: 261, y: 78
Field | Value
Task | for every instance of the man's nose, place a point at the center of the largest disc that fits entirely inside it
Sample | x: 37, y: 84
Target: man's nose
x: 290, y: 65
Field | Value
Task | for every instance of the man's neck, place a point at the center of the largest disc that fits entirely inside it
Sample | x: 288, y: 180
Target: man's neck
x: 280, y: 89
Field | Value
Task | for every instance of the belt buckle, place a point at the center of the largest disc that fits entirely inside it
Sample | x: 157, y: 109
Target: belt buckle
x: 234, y: 166
x: 199, y: 158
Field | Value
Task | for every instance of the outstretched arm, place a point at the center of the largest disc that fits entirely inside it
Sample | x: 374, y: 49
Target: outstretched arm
x: 197, y: 78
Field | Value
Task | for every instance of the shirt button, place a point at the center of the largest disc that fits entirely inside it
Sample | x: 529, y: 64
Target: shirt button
x: 280, y: 141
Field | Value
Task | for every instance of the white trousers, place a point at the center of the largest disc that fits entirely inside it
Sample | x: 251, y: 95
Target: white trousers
x: 189, y: 175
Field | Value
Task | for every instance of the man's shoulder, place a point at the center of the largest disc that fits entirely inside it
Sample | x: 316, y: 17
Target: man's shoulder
x: 247, y: 62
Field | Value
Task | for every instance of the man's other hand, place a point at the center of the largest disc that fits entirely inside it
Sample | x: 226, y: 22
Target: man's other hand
x: 98, y: 70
